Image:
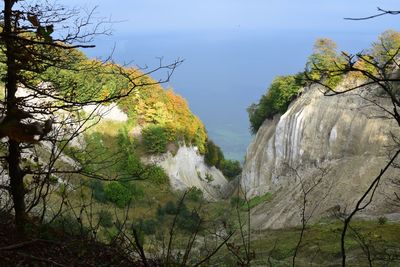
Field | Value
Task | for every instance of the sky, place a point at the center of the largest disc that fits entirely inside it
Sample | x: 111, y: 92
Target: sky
x: 232, y: 49
x: 155, y: 16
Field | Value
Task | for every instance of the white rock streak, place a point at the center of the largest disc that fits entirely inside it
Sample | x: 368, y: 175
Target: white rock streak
x: 111, y: 112
x: 341, y: 133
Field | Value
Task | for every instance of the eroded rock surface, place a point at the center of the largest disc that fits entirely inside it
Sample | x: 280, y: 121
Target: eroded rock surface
x: 187, y: 169
x: 338, y: 142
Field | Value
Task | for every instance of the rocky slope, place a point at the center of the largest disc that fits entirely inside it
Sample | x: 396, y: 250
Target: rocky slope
x: 187, y: 169
x: 327, y: 148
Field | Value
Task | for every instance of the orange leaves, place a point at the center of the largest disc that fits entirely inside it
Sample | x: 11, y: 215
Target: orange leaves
x: 154, y: 105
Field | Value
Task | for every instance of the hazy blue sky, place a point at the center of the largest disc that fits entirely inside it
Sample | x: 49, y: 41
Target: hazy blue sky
x: 232, y: 48
x: 183, y: 15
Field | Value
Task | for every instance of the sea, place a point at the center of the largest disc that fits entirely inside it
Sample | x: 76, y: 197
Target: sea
x: 223, y: 72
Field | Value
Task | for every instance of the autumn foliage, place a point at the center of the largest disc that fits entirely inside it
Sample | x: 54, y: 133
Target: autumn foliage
x: 149, y: 104
x: 154, y: 106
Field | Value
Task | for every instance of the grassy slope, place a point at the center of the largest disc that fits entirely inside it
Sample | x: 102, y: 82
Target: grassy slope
x: 321, y: 245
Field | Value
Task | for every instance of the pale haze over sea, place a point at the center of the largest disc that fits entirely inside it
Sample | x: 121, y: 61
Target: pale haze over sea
x: 231, y: 49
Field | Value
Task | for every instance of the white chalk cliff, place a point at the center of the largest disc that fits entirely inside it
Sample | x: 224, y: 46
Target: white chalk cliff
x: 187, y: 169
x: 337, y: 143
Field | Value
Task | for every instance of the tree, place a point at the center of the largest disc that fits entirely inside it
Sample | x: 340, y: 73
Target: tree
x: 155, y: 139
x: 324, y: 60
x: 323, y: 56
x: 386, y: 47
x: 45, y: 77
x: 214, y: 155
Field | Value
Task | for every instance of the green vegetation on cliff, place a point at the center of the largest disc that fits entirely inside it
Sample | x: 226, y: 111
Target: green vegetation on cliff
x: 214, y: 157
x: 154, y: 106
x: 325, y: 66
x: 147, y: 106
x: 284, y: 89
x: 325, y: 63
x: 277, y: 99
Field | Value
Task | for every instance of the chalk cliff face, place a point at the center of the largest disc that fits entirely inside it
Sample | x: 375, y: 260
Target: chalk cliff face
x: 187, y: 169
x: 333, y: 145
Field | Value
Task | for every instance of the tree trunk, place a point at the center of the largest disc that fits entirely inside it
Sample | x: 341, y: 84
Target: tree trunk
x: 17, y: 184
x: 14, y: 153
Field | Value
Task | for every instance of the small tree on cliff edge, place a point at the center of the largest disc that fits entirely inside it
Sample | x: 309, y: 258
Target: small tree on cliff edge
x: 39, y: 43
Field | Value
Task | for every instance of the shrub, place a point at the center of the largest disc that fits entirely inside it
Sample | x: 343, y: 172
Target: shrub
x: 105, y: 218
x: 118, y: 194
x: 231, y: 168
x: 155, y: 139
x: 69, y: 225
x: 160, y: 214
x: 194, y: 194
x: 209, y: 177
x: 53, y: 179
x: 147, y: 227
x: 156, y: 175
x: 130, y: 164
x: 170, y: 208
x: 98, y: 191
x: 188, y: 220
x: 382, y: 220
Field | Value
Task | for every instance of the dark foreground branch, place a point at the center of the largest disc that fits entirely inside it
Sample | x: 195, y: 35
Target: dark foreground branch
x: 381, y: 11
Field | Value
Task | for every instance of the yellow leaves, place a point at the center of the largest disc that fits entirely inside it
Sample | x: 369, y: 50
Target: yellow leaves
x: 148, y: 104
x: 154, y: 105
x: 104, y: 94
x: 363, y: 64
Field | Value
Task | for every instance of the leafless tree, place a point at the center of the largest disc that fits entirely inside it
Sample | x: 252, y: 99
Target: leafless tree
x: 172, y: 253
x: 307, y: 208
x: 239, y: 246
